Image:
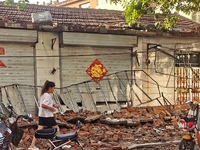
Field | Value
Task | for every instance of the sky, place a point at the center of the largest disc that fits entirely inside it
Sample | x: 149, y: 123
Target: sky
x: 35, y: 1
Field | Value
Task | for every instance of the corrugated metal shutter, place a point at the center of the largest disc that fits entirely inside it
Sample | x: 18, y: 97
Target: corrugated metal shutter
x: 19, y: 59
x: 74, y: 63
x: 79, y: 52
x: 105, y: 40
x: 18, y: 35
x: 20, y: 64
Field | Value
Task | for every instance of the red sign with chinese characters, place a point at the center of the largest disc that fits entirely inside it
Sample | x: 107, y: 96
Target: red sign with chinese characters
x: 96, y: 71
x: 2, y: 51
x: 2, y: 64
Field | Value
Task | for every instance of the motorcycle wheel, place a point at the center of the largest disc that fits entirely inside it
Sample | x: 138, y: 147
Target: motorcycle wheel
x: 186, y: 145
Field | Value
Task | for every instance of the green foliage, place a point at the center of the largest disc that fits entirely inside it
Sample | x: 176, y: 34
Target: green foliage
x: 135, y: 9
x: 20, y: 5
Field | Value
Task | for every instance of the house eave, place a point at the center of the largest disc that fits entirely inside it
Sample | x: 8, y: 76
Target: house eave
x: 100, y: 29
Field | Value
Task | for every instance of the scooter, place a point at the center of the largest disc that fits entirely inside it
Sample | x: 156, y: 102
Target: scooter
x: 189, y: 124
x: 9, y: 130
x: 61, y: 140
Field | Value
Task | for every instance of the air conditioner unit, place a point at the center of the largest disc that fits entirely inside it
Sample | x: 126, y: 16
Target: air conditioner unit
x: 43, y: 18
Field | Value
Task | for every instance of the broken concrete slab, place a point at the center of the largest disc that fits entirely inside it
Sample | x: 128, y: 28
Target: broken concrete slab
x: 152, y: 144
x: 73, y: 120
x: 113, y: 121
x: 92, y: 118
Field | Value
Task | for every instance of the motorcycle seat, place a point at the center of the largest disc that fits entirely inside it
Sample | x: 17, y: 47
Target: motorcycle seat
x: 46, y: 133
x: 67, y: 136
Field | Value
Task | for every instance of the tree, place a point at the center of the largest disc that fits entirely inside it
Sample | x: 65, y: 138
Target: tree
x: 20, y: 5
x: 135, y: 9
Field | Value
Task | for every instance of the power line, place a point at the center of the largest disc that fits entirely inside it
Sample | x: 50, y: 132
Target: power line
x: 69, y: 55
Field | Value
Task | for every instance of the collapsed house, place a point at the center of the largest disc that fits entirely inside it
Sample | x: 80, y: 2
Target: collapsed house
x: 97, y: 61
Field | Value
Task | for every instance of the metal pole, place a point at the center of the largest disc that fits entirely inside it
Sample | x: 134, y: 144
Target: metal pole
x: 71, y: 100
x: 9, y: 101
x: 36, y: 101
x: 58, y: 101
x: 90, y: 94
x: 120, y: 89
x: 22, y: 100
x: 134, y: 93
x: 106, y: 101
x: 81, y: 96
x: 116, y: 100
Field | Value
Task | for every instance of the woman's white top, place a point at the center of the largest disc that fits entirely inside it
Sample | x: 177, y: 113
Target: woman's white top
x: 46, y: 100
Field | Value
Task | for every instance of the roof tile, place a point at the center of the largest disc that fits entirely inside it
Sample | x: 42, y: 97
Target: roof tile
x: 85, y: 20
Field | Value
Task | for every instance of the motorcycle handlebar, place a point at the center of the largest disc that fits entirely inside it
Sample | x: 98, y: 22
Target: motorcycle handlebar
x: 25, y: 118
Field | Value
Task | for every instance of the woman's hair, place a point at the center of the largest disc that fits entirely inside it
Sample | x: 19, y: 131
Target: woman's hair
x: 46, y: 86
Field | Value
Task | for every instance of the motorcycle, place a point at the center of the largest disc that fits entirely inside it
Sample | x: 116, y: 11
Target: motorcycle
x: 9, y: 130
x: 62, y: 140
x: 189, y: 124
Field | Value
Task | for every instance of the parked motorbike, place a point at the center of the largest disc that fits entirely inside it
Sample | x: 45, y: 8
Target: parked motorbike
x: 189, y: 124
x: 61, y: 140
x: 9, y: 130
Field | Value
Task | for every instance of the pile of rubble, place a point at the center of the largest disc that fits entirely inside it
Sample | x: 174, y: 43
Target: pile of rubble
x: 116, y: 130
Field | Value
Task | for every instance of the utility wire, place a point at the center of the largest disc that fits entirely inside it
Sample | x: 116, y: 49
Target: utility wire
x: 70, y: 55
x: 46, y: 51
x: 47, y: 55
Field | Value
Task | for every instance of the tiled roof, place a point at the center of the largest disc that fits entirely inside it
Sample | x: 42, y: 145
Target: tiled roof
x: 88, y: 20
x: 63, y: 3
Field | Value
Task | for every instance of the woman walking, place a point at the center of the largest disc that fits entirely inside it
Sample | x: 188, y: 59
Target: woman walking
x: 46, y: 109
